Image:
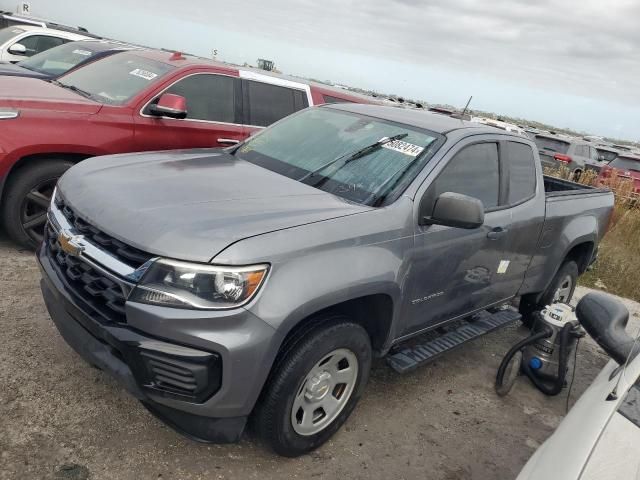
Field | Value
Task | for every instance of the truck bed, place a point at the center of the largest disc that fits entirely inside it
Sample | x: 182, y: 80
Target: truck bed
x: 557, y: 187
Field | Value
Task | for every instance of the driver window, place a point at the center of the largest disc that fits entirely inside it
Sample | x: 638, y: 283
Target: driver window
x: 209, y: 97
x: 473, y: 171
x: 39, y: 43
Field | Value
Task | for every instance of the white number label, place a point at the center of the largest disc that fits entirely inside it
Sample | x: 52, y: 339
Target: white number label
x: 147, y: 75
x: 404, y: 147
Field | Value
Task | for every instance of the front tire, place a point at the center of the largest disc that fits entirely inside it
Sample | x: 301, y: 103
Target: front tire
x: 314, y: 387
x: 26, y: 200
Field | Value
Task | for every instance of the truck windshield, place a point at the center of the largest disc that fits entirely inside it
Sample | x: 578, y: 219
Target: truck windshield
x: 626, y: 163
x: 304, y: 142
x: 551, y: 144
x: 58, y: 60
x: 116, y: 79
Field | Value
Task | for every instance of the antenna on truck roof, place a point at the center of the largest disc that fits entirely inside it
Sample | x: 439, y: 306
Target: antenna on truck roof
x: 466, y: 106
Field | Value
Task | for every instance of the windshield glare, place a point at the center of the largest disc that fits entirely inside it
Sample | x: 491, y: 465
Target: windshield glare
x: 118, y: 78
x: 306, y: 141
x: 58, y: 60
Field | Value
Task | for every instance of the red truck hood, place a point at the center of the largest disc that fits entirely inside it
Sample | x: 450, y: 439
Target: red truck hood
x: 32, y: 93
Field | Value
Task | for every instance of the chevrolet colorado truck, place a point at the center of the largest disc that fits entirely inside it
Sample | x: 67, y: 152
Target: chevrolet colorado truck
x: 129, y: 101
x: 260, y: 280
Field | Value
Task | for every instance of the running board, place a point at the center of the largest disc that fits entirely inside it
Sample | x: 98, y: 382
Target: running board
x: 425, y: 348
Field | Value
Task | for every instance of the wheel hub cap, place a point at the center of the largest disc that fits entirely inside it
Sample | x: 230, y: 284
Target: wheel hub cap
x: 318, y: 387
x: 324, y: 392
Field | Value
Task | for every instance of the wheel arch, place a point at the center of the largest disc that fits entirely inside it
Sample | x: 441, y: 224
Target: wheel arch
x: 34, y: 158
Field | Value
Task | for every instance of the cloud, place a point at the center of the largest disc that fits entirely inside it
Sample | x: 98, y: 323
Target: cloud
x: 579, y: 47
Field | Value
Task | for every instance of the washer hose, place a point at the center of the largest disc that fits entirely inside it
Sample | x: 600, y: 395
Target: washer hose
x: 545, y: 333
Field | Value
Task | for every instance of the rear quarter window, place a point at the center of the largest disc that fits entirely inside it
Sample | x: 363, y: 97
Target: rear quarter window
x: 522, y: 172
x: 551, y: 144
x: 270, y: 103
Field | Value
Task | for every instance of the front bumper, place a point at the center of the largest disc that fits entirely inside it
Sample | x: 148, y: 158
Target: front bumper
x: 222, y: 361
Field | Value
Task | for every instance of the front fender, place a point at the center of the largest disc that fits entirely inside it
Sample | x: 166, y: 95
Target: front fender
x: 305, y: 285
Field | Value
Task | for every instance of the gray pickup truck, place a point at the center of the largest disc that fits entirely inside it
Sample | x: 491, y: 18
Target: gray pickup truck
x: 258, y: 282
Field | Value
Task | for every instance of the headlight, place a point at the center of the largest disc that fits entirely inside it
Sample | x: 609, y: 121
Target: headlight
x: 8, y: 113
x: 172, y: 283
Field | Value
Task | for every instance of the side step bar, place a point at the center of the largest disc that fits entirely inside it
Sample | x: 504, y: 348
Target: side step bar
x: 425, y: 348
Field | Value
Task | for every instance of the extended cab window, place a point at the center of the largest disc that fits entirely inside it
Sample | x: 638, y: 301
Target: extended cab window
x: 270, y: 103
x: 522, y: 172
x: 209, y: 97
x: 473, y: 171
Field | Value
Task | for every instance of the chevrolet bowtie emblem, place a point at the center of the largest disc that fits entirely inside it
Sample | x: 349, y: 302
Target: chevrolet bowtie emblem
x: 70, y: 244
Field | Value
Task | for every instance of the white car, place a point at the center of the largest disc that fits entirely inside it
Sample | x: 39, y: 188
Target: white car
x: 600, y: 437
x: 22, y: 41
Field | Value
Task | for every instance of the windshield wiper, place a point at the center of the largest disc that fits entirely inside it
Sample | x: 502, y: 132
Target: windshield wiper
x: 73, y: 88
x: 350, y: 157
x: 377, y: 197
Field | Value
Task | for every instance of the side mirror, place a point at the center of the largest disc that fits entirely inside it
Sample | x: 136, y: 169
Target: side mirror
x: 455, y: 210
x: 170, y: 105
x: 17, y: 49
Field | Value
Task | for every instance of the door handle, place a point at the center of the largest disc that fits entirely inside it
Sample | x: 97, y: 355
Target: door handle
x: 496, y: 233
x: 228, y: 141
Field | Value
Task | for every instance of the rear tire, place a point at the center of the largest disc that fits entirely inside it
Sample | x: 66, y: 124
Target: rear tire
x: 576, y: 175
x: 26, y: 200
x: 560, y: 289
x: 314, y: 388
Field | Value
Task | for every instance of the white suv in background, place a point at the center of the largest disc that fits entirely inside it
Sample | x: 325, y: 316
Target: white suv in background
x: 22, y: 41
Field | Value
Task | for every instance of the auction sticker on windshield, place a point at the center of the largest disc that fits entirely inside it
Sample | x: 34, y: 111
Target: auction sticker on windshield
x: 404, y: 147
x: 146, y: 74
x: 85, y: 53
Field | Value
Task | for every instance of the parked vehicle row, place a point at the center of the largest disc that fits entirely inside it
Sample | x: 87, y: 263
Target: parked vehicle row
x: 261, y: 280
x: 575, y: 154
x: 130, y: 101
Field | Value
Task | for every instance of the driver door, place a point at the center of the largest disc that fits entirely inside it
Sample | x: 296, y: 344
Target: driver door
x: 456, y: 271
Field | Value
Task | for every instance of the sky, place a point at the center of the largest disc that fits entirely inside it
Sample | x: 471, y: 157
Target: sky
x: 574, y: 63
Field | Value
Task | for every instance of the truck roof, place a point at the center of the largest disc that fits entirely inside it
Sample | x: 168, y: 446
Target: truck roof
x: 434, y: 122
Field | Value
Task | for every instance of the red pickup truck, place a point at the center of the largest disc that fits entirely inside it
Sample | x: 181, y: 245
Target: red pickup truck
x: 131, y: 101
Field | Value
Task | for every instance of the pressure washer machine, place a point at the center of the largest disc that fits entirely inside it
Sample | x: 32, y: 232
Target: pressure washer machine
x: 544, y: 355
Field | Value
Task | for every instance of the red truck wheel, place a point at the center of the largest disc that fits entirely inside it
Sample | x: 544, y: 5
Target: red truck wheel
x: 26, y: 200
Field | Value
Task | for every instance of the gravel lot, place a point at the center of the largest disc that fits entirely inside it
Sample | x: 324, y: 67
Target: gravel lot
x: 60, y: 418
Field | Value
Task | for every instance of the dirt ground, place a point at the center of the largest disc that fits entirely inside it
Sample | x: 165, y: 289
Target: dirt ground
x: 62, y: 419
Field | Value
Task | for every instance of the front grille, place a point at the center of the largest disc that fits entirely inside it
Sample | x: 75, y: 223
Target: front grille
x: 123, y: 252
x: 98, y: 291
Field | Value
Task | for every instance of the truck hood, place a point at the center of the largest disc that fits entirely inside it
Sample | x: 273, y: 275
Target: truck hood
x: 191, y: 204
x: 33, y: 93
